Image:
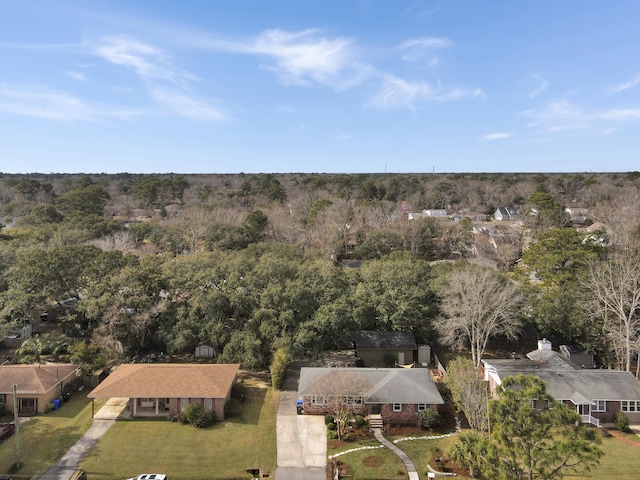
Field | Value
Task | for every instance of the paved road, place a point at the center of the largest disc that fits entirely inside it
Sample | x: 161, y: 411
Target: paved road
x: 103, y: 419
x: 302, y: 441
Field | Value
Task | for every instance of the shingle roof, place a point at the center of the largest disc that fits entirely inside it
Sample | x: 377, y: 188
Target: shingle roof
x: 35, y: 379
x: 170, y: 380
x: 566, y: 381
x: 385, y: 340
x: 381, y: 385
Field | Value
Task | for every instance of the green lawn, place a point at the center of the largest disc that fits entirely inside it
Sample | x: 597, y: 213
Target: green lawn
x: 620, y: 460
x: 45, y: 438
x: 184, y: 452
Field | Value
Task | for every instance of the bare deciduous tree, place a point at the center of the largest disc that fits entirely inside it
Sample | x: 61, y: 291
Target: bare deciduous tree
x: 614, y: 293
x: 478, y: 303
x: 469, y: 391
x: 343, y: 394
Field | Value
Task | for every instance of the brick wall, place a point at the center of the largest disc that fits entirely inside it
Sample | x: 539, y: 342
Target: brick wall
x: 408, y: 415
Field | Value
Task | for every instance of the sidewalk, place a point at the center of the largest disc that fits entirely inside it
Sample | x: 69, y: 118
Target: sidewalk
x: 411, y: 468
x: 70, y: 461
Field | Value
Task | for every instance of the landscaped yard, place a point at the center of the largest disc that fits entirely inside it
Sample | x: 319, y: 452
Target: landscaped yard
x: 45, y: 438
x: 226, y: 450
x: 620, y: 461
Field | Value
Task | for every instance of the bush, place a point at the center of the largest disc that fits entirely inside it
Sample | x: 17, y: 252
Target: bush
x: 232, y: 408
x: 360, y: 421
x: 197, y: 416
x: 328, y: 419
x: 622, y: 422
x: 332, y: 434
x: 429, y: 418
x: 331, y: 426
x: 279, y: 367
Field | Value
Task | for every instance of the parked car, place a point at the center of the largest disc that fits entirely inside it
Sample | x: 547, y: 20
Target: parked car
x: 6, y: 430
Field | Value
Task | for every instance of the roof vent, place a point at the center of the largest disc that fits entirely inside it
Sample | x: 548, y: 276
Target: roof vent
x: 544, y: 344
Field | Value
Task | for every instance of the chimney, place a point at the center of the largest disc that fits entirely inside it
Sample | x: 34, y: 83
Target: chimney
x: 544, y: 344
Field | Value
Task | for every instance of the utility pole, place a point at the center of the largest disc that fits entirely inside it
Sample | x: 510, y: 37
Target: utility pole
x: 17, y: 424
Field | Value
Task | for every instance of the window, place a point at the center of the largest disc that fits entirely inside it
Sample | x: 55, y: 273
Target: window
x: 354, y: 400
x: 422, y: 407
x: 1, y: 399
x: 600, y: 406
x: 397, y: 407
x: 318, y: 400
x: 183, y: 403
x: 630, y: 406
x: 208, y: 403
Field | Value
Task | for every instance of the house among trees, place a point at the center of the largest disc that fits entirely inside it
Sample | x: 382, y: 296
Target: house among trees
x: 15, y: 338
x: 507, y: 214
x: 37, y: 385
x: 387, y: 395
x: 385, y: 349
x: 168, y: 388
x: 597, y: 395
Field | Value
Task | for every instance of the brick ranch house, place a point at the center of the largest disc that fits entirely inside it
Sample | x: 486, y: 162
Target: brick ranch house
x: 597, y: 395
x: 158, y: 389
x: 37, y: 385
x: 386, y: 395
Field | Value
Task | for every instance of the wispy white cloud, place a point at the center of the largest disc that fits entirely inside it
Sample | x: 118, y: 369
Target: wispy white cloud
x: 634, y: 82
x: 398, y: 93
x: 187, y: 106
x: 542, y: 87
x: 561, y: 115
x: 422, y: 49
x: 345, y: 136
x: 76, y: 75
x: 311, y: 57
x: 41, y: 102
x: 153, y: 66
x: 496, y: 136
x: 146, y: 61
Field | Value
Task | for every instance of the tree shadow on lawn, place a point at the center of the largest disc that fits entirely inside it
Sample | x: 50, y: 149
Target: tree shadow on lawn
x: 251, y: 407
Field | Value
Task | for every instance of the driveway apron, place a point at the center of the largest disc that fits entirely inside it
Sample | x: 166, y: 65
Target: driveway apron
x: 70, y: 461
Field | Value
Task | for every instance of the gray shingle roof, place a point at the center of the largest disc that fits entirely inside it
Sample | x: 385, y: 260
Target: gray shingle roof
x: 385, y: 340
x: 566, y: 381
x: 381, y: 385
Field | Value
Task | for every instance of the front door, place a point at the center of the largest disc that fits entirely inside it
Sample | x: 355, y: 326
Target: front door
x: 584, y: 409
x: 27, y: 406
x: 375, y: 409
x: 401, y: 358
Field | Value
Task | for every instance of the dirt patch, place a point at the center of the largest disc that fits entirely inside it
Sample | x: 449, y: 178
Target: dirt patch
x: 373, y: 461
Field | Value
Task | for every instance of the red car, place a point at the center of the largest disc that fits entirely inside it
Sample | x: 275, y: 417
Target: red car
x: 6, y: 430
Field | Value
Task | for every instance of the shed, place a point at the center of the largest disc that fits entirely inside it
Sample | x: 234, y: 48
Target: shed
x: 204, y: 350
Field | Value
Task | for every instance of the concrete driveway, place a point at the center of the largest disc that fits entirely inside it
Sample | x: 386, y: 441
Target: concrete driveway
x: 102, y: 420
x: 302, y: 442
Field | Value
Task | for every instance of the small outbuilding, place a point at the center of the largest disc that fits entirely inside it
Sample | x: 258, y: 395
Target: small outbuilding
x: 204, y: 350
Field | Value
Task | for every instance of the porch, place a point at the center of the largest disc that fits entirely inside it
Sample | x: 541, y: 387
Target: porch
x: 590, y: 420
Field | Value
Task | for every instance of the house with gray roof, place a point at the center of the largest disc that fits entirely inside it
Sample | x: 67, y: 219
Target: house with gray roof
x: 597, y: 395
x: 504, y: 214
x: 393, y: 395
x: 385, y: 349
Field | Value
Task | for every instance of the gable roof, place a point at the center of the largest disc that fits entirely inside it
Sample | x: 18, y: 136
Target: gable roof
x: 381, y: 385
x: 566, y: 381
x: 170, y: 380
x: 385, y: 340
x: 34, y: 379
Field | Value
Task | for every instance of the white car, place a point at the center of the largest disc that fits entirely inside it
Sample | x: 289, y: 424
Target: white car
x: 150, y: 476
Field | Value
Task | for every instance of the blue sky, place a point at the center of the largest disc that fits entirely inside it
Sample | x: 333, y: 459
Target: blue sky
x: 212, y: 86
